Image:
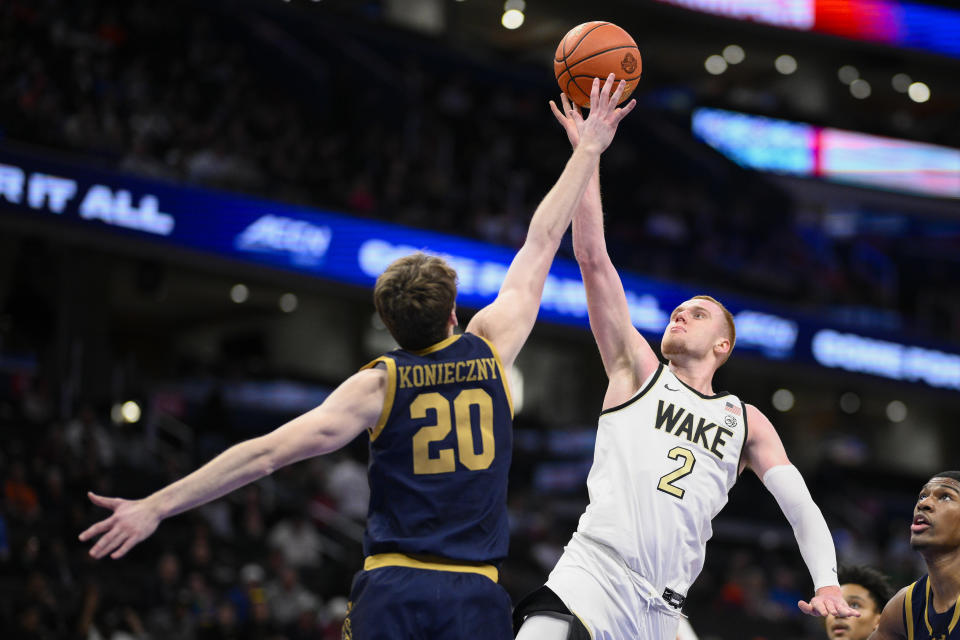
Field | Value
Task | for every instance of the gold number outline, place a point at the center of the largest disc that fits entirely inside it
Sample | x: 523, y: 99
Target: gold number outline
x: 666, y: 481
x: 444, y: 462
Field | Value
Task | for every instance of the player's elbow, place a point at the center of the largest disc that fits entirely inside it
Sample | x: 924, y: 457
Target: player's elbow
x: 268, y: 456
x: 590, y: 258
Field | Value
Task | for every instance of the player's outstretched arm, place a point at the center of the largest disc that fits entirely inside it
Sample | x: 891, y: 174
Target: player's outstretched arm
x: 627, y: 357
x: 890, y: 626
x: 508, y: 320
x: 354, y: 406
x: 766, y: 456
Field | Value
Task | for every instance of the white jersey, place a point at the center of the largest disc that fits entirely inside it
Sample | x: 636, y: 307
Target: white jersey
x: 663, y: 465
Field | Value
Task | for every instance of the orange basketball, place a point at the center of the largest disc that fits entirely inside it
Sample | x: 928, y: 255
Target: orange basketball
x: 595, y: 50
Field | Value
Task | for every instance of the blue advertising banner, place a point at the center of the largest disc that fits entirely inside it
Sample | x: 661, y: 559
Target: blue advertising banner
x: 355, y: 251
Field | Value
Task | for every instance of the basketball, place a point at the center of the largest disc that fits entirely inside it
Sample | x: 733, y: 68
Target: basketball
x: 595, y: 50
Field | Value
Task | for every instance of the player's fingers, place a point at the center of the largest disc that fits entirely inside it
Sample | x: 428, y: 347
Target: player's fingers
x: 595, y: 93
x: 831, y: 607
x: 819, y: 607
x: 96, y: 529
x: 106, y: 544
x: 556, y: 113
x: 805, y: 607
x: 624, y: 110
x: 618, y: 92
x: 101, y: 501
x: 565, y: 101
x: 606, y: 91
x: 122, y: 551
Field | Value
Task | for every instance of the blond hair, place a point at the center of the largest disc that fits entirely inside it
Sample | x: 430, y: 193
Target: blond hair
x: 731, y: 327
x: 414, y: 297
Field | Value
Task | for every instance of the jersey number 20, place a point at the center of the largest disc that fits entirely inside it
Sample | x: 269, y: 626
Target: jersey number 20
x: 666, y: 482
x: 444, y: 462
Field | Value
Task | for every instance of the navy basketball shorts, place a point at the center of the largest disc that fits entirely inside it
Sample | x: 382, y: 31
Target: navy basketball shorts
x: 402, y: 603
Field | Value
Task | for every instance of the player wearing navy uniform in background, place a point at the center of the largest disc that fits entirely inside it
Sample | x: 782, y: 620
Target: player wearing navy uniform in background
x: 929, y: 609
x: 866, y: 590
x: 439, y: 416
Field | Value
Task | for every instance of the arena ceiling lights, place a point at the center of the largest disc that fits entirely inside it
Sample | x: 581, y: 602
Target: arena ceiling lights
x: 900, y: 24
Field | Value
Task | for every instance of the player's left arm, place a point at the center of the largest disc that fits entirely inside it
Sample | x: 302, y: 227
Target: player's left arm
x: 765, y: 455
x: 508, y: 320
x: 352, y: 407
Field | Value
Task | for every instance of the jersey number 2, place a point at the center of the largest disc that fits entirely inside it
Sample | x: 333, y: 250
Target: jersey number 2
x: 423, y: 462
x: 666, y: 482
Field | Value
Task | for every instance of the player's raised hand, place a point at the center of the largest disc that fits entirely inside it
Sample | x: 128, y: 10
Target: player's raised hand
x: 132, y: 521
x: 828, y: 601
x: 599, y: 128
x: 567, y: 121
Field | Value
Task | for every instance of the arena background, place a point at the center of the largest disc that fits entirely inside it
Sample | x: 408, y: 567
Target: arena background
x: 196, y: 198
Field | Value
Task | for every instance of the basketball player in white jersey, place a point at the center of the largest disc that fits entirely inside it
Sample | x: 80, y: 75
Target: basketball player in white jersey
x: 669, y: 448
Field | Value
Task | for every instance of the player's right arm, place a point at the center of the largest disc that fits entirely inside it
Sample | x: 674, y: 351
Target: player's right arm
x: 508, y: 320
x: 352, y: 407
x: 627, y: 357
x: 890, y: 626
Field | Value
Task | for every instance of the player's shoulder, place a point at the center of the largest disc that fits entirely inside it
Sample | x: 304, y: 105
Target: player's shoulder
x: 374, y: 374
x: 890, y: 626
x: 755, y: 416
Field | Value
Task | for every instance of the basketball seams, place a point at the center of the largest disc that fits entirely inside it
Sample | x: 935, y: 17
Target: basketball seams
x: 600, y: 53
x: 568, y: 48
x: 567, y: 54
x: 617, y: 80
x: 577, y: 86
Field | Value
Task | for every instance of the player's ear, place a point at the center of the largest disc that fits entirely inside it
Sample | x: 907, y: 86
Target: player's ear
x: 452, y: 320
x: 722, y: 346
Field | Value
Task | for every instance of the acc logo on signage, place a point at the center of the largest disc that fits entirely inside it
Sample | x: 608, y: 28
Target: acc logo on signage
x: 305, y: 242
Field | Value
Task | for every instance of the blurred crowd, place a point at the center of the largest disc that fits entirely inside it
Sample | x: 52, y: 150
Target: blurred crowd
x: 272, y: 561
x: 275, y: 560
x: 293, y: 109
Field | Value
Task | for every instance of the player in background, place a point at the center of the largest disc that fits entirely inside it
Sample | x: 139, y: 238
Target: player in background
x: 439, y: 416
x: 929, y: 609
x: 669, y: 448
x: 866, y: 590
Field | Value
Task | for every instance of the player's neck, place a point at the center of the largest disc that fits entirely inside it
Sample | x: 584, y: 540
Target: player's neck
x: 944, y: 570
x: 694, y: 373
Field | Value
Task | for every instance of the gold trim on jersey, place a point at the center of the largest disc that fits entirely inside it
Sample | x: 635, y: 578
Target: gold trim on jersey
x: 908, y: 610
x: 503, y: 374
x: 446, y: 342
x: 434, y: 564
x: 928, y: 602
x: 391, y: 368
x: 583, y: 622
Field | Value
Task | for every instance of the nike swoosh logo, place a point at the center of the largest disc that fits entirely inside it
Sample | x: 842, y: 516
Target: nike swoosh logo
x: 669, y: 388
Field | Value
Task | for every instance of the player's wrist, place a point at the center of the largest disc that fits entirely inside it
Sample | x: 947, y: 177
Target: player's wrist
x: 588, y: 146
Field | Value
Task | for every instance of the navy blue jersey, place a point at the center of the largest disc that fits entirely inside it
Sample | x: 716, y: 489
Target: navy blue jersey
x: 440, y: 454
x: 920, y: 619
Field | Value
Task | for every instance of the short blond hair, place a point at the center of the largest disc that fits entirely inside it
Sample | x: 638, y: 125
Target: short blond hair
x: 414, y: 297
x: 731, y: 326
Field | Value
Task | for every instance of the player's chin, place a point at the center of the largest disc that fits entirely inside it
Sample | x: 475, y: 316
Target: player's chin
x: 671, y: 346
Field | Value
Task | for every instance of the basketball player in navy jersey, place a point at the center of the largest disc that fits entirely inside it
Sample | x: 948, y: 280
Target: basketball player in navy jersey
x: 866, y: 590
x: 439, y: 416
x: 929, y: 609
